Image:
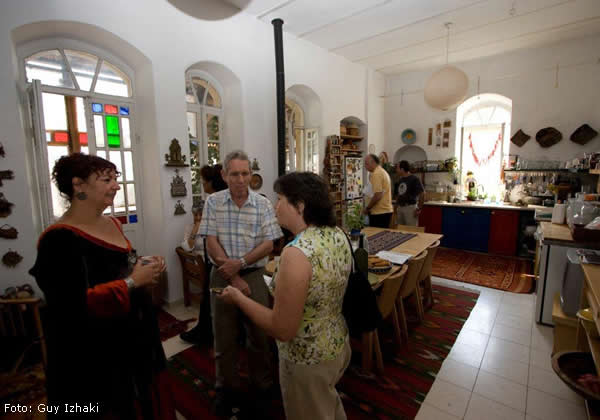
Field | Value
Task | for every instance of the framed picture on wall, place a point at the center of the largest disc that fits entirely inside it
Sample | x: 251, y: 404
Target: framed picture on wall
x: 353, y: 172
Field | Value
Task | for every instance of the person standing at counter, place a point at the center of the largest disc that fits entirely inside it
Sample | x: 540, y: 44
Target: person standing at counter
x: 379, y: 208
x: 410, y: 196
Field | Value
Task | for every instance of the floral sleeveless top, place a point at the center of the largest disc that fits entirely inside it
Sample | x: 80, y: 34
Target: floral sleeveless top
x: 323, y: 331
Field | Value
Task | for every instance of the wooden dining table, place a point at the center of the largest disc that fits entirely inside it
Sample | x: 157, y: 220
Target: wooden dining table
x: 414, y: 246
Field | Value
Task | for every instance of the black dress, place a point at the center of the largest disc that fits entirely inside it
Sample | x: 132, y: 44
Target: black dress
x: 104, y: 347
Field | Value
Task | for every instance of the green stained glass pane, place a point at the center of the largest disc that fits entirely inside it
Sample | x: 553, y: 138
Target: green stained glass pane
x: 112, y: 131
x: 114, y: 141
x: 112, y: 125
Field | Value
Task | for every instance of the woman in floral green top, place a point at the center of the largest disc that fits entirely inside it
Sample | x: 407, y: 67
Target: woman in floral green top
x: 308, y: 287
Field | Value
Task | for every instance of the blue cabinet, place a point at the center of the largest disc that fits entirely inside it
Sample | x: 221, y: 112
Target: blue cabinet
x: 466, y: 228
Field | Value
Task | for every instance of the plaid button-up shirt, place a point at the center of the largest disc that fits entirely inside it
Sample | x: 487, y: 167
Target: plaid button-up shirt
x: 239, y: 230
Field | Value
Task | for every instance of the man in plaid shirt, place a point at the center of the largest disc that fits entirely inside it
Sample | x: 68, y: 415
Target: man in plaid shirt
x: 240, y: 227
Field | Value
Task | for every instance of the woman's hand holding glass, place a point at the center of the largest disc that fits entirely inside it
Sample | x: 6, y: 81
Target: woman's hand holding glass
x: 146, y: 271
x: 230, y: 294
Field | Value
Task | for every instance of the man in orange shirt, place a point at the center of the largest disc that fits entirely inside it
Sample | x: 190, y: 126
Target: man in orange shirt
x: 379, y: 208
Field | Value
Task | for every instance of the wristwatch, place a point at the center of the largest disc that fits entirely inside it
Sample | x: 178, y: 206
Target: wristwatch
x: 244, y: 264
x: 130, y: 283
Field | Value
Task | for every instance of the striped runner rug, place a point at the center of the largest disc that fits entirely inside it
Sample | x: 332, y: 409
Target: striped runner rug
x: 398, y: 394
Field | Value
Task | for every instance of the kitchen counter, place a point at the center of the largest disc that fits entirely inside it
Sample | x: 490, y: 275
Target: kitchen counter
x: 479, y: 205
x: 554, y: 234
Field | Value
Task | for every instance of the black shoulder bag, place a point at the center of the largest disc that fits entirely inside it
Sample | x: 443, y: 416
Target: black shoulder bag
x: 360, y: 303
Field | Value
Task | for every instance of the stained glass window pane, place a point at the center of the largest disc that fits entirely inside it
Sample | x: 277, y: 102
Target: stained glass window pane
x: 81, y: 121
x: 133, y: 218
x: 97, y: 107
x: 112, y: 131
x: 213, y: 153
x: 85, y: 150
x: 131, y: 197
x: 200, y: 85
x: 115, y: 157
x: 112, y: 81
x: 83, y: 66
x: 189, y: 93
x: 212, y: 127
x: 126, y: 133
x: 55, y: 111
x: 83, y: 138
x: 48, y: 137
x: 122, y: 219
x: 61, y: 137
x: 192, y: 129
x: 124, y: 110
x: 50, y: 68
x: 128, y: 166
x: 99, y: 130
x: 119, y: 201
x: 59, y: 204
x: 111, y: 109
x: 101, y: 153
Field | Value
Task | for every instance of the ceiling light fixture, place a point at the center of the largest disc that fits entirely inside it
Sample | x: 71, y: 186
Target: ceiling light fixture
x: 447, y: 87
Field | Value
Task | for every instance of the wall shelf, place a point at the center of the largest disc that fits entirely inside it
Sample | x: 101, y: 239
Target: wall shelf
x: 349, y: 137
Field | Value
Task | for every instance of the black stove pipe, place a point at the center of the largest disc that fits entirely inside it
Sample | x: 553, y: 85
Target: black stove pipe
x: 280, y: 74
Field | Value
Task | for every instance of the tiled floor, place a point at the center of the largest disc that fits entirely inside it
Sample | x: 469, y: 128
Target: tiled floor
x: 499, y: 367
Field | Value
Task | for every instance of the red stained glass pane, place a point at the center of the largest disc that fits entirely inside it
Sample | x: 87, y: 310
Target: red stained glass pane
x: 61, y: 137
x: 111, y: 109
x: 82, y: 138
x: 122, y: 219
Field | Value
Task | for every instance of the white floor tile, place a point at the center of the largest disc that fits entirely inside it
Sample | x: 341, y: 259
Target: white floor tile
x: 518, y: 299
x: 448, y: 397
x: 508, y: 350
x: 480, y: 324
x: 515, y: 335
x: 542, y: 337
x: 458, y: 373
x: 428, y: 412
x: 466, y: 354
x: 484, y: 312
x: 501, y: 390
x: 473, y: 338
x: 482, y: 408
x: 517, y: 310
x: 548, y: 407
x: 497, y: 364
x: 550, y: 383
x: 175, y: 345
x: 513, y: 321
x: 541, y: 359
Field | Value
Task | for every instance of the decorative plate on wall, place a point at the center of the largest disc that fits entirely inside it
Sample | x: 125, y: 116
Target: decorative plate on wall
x: 409, y: 136
x: 256, y: 182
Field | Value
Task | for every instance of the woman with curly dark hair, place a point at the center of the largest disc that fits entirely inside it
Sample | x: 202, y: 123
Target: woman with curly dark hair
x: 104, y: 348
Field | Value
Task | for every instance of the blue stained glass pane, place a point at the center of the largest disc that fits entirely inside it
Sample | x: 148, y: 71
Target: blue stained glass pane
x: 133, y: 218
x: 97, y: 107
x: 124, y: 110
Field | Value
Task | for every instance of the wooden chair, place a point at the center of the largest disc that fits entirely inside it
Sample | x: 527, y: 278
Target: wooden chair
x: 410, y: 288
x: 407, y: 228
x: 386, y: 302
x: 193, y: 271
x: 21, y: 329
x: 425, y: 278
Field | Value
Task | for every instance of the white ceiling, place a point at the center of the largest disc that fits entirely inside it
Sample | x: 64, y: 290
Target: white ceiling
x: 395, y: 36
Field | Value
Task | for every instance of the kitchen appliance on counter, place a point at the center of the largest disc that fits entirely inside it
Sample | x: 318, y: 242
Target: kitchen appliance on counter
x: 570, y: 295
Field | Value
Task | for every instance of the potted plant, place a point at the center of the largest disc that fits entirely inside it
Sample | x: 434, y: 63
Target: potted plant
x: 354, y: 220
x: 472, y: 196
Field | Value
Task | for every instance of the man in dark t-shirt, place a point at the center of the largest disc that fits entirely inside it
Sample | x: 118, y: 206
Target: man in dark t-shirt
x: 409, y: 196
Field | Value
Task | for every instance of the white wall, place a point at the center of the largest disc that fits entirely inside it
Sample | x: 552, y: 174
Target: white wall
x: 162, y: 43
x: 528, y: 78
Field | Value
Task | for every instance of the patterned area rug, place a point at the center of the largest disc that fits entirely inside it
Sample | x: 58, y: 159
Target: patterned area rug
x: 170, y: 326
x: 409, y: 372
x: 497, y: 272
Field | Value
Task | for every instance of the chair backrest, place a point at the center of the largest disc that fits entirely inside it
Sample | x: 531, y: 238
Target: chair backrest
x: 415, y: 265
x: 389, y: 292
x: 21, y: 327
x: 192, y: 266
x: 426, y: 270
x: 420, y: 229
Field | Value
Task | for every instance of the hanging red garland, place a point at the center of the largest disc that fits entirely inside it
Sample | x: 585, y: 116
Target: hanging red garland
x: 478, y: 161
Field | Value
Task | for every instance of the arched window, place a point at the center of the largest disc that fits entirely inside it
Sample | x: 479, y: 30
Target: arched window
x: 484, y: 122
x: 81, y: 102
x: 205, y: 125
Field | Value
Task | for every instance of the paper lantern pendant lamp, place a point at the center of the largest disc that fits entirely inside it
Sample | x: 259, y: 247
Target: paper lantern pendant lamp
x: 446, y: 88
